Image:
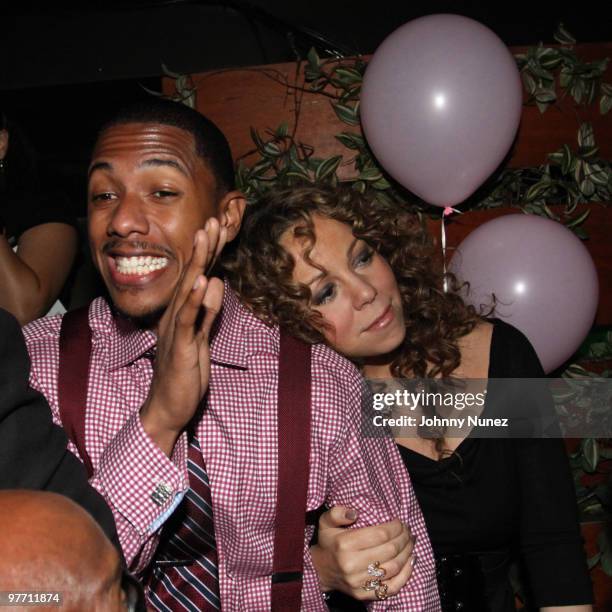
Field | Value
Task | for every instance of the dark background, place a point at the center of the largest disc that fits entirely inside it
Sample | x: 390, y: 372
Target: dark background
x: 64, y: 66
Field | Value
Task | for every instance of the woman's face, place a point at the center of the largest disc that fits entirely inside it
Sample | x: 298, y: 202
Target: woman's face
x: 353, y: 288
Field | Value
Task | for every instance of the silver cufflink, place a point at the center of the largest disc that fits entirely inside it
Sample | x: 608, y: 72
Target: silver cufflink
x: 162, y: 492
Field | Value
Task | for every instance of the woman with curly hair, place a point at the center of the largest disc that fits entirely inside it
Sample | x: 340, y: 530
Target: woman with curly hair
x: 331, y: 266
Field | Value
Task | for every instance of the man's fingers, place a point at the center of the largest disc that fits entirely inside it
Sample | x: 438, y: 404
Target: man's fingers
x: 213, y: 231
x: 193, y: 269
x: 188, y: 313
x: 221, y: 242
x: 338, y: 516
x: 212, y: 301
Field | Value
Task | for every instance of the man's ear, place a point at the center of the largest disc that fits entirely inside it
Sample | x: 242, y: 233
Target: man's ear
x: 231, y: 210
x: 4, y: 141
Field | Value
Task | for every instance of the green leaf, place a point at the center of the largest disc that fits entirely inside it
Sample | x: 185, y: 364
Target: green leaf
x: 563, y: 37
x: 606, y: 562
x: 370, y: 175
x: 327, y: 167
x: 567, y: 159
x: 579, y: 219
x: 359, y: 186
x: 545, y: 96
x: 534, y: 191
x: 314, y: 61
x: 590, y: 455
x: 587, y: 187
x: 260, y: 168
x: 550, y: 213
x: 346, y: 114
x: 565, y: 77
x: 381, y: 184
x: 578, y: 170
x: 529, y: 83
x: 282, y: 130
x: 577, y: 91
x: 586, y: 152
x: 597, y: 174
x: 586, y: 137
x: 298, y: 170
x: 256, y: 138
x: 605, y: 104
x: 272, y: 149
x: 350, y: 140
x: 348, y: 75
x: 169, y: 73
x: 593, y: 561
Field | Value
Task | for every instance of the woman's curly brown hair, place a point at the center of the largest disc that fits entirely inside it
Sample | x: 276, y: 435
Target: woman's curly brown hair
x: 260, y: 270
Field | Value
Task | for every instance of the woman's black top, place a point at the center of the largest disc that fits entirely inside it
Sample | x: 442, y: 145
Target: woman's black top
x: 495, y: 500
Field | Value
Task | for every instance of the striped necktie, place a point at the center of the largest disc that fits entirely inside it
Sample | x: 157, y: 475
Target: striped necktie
x: 185, y: 574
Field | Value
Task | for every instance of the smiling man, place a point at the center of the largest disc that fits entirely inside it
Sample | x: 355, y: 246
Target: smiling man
x: 178, y: 429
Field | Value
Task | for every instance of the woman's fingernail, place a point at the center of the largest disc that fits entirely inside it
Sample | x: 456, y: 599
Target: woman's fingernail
x: 412, y: 560
x: 198, y: 283
x: 350, y: 514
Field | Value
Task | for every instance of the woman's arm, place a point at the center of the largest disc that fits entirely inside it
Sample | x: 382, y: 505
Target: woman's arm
x: 32, y: 278
x: 550, y: 542
x: 567, y: 609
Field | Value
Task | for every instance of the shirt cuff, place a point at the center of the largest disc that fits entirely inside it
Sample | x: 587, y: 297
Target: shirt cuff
x: 139, y: 480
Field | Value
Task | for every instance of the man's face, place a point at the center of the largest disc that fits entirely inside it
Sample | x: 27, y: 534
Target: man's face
x: 149, y: 192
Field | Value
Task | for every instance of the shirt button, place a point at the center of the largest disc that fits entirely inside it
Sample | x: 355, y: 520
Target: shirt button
x: 458, y: 605
x: 457, y: 572
x: 161, y: 494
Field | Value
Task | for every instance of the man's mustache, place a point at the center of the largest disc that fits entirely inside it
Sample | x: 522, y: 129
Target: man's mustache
x: 136, y: 245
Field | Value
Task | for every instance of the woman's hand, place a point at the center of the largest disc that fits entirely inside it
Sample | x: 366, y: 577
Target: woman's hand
x: 342, y: 556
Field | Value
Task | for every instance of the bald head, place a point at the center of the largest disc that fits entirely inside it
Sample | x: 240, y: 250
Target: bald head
x: 51, y: 544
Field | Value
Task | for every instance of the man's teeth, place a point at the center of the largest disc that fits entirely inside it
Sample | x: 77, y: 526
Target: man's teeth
x: 140, y: 265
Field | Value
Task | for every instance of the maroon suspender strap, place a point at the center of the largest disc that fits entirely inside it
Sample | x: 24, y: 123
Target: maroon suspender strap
x: 75, y: 350
x: 293, y: 469
x: 294, y: 381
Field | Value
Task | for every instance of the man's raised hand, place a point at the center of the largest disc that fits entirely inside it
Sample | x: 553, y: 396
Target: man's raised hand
x: 182, y: 364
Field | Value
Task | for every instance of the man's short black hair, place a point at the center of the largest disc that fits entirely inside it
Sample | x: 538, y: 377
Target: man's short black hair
x: 210, y: 142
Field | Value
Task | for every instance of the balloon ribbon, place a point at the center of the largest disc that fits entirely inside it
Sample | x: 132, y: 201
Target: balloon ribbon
x: 448, y: 210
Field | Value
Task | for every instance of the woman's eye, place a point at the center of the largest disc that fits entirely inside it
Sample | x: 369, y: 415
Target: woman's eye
x: 364, y: 258
x: 324, y: 296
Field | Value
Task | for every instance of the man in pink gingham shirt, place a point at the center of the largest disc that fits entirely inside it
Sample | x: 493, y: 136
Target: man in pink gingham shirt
x: 151, y: 188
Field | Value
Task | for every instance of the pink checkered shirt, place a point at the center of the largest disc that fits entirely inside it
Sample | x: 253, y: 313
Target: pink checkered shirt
x: 238, y: 434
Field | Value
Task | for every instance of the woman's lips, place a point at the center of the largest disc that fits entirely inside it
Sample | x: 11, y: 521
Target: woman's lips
x: 383, y: 321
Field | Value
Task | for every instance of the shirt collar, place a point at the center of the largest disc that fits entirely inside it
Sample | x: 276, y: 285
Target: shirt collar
x: 124, y: 342
x: 230, y: 338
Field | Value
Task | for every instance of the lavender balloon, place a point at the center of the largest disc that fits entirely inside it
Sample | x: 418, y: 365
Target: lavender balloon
x: 440, y: 106
x: 542, y: 276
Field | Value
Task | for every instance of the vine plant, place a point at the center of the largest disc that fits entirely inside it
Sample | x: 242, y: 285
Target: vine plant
x: 573, y: 175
